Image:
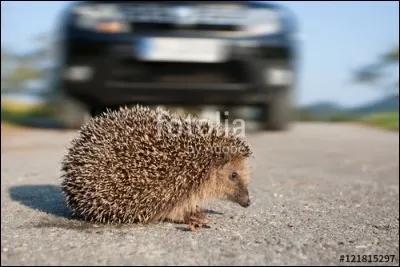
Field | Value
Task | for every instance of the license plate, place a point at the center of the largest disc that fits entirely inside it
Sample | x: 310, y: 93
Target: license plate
x: 180, y: 49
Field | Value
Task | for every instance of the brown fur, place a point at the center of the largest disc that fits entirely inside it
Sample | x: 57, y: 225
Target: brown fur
x: 218, y: 187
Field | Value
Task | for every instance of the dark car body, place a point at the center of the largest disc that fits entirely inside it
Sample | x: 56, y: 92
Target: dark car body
x: 103, y: 69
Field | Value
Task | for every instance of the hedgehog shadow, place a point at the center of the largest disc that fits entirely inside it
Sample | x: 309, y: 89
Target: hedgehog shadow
x: 49, y: 199
x: 45, y: 198
x: 210, y: 211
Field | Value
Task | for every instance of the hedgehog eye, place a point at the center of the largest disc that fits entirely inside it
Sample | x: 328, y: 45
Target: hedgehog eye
x: 233, y: 176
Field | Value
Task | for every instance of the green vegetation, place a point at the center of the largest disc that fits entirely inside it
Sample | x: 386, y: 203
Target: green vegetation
x: 376, y: 74
x: 18, y: 70
x: 388, y: 120
x: 342, y: 117
x: 17, y: 112
x: 385, y: 120
x: 305, y: 114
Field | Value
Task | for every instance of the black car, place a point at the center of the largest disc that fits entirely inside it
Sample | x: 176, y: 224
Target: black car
x: 229, y: 53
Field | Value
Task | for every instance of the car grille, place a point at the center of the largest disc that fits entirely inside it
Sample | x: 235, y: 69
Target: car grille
x: 195, y: 17
x: 155, y: 27
x: 162, y: 72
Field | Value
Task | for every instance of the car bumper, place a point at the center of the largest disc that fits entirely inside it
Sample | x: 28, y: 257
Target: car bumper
x: 100, y: 70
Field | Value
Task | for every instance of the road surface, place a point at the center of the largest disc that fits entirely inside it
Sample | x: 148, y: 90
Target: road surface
x: 318, y: 192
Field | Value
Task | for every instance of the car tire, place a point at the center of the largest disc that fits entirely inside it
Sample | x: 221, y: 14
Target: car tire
x: 277, y: 112
x: 70, y: 113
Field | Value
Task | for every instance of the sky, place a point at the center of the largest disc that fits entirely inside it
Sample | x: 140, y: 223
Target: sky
x: 336, y: 38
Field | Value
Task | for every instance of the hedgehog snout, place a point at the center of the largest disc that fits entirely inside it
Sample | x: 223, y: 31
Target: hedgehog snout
x: 241, y: 197
x: 245, y: 201
x: 246, y: 204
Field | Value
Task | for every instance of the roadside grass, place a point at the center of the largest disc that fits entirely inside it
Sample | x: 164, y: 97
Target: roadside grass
x: 389, y: 120
x: 15, y: 112
x: 384, y: 120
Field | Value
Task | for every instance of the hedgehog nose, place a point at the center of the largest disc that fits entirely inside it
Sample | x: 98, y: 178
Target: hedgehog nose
x: 246, y: 204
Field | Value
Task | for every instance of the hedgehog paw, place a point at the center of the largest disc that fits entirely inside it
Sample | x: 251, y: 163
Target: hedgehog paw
x: 196, y: 220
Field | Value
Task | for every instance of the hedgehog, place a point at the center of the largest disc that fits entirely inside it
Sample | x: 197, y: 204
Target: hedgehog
x: 142, y: 165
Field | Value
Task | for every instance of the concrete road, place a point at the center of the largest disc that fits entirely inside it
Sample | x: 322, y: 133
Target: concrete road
x: 318, y: 192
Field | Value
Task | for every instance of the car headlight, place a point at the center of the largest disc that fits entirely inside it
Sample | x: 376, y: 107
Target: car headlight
x: 262, y: 21
x: 100, y: 17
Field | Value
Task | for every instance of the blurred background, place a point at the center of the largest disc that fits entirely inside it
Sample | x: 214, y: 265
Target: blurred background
x: 349, y: 60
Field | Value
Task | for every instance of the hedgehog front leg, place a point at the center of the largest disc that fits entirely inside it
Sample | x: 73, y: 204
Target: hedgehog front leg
x: 196, y: 219
x: 201, y: 215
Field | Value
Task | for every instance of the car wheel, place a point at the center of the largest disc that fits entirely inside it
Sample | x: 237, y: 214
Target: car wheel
x: 277, y: 113
x: 70, y: 113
